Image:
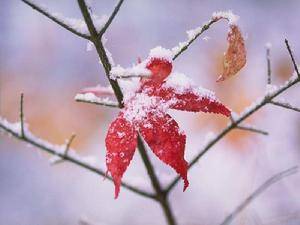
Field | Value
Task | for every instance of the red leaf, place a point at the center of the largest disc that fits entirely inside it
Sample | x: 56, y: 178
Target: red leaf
x: 121, y: 141
x: 190, y: 100
x: 160, y: 68
x: 235, y: 56
x: 167, y: 142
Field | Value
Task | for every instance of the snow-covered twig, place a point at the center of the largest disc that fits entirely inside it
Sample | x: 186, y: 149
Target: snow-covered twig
x: 110, y: 19
x: 274, y: 179
x: 57, y: 150
x: 285, y: 105
x: 93, y: 99
x: 195, y: 33
x: 54, y: 18
x: 292, y: 57
x: 184, y: 45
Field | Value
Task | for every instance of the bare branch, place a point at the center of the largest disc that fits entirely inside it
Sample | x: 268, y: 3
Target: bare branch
x: 277, y: 177
x: 252, y: 129
x: 285, y: 105
x: 292, y: 56
x: 60, y: 151
x: 56, y: 20
x: 92, y: 99
x: 112, y: 16
x: 268, y: 57
x: 22, y: 115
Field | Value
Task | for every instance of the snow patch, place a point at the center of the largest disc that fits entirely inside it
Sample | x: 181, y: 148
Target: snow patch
x: 183, y: 84
x: 232, y: 18
x: 138, y: 70
x: 162, y: 53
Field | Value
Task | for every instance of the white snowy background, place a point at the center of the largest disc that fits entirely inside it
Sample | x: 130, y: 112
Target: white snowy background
x: 50, y: 65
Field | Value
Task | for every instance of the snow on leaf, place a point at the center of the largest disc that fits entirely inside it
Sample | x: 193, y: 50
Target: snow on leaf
x: 161, y: 53
x: 180, y: 92
x: 235, y: 56
x: 138, y: 107
x: 138, y: 70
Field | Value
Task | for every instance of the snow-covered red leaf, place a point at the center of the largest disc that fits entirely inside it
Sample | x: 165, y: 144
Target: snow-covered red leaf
x: 160, y: 69
x: 163, y: 136
x: 235, y: 56
x: 121, y: 141
x: 180, y: 93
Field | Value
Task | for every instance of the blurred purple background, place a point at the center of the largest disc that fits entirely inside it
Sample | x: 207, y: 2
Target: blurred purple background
x: 50, y: 65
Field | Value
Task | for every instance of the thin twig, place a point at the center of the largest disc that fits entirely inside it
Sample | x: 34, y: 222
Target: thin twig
x: 56, y: 20
x: 268, y: 56
x: 285, y: 105
x: 50, y: 148
x: 252, y: 129
x: 189, y: 42
x: 22, y: 115
x: 277, y: 177
x: 292, y: 56
x: 112, y: 16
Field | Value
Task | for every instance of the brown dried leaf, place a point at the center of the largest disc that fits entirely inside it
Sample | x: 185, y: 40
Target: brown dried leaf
x: 235, y: 56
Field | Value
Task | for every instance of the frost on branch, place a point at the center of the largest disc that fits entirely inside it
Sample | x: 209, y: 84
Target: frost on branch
x: 90, y: 97
x: 145, y: 112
